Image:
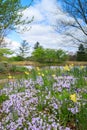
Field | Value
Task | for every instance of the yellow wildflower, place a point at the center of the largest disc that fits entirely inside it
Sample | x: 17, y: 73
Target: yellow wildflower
x: 38, y: 68
x: 66, y: 68
x: 27, y: 73
x: 71, y: 65
x: 73, y: 97
x: 10, y: 77
x: 42, y: 74
x: 54, y: 75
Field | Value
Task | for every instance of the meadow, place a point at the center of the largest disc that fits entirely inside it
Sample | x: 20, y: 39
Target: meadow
x: 45, y: 99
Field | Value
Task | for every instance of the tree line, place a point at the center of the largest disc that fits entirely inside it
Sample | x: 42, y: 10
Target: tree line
x: 39, y: 54
x: 43, y: 55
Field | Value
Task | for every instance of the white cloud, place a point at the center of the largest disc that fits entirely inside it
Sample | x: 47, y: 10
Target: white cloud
x: 32, y: 11
x: 46, y: 13
x: 13, y: 45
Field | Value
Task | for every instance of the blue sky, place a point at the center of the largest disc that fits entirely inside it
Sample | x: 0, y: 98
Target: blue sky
x: 46, y: 14
x: 28, y: 2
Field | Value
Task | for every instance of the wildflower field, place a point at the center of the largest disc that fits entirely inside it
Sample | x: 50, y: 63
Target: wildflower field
x: 45, y: 99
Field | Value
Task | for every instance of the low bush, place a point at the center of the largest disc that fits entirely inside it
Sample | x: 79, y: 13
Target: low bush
x: 2, y: 67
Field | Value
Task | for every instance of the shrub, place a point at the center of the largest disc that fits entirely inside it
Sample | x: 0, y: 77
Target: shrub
x: 15, y: 68
x: 2, y: 67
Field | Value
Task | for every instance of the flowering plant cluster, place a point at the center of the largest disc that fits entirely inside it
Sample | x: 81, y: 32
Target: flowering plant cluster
x: 46, y: 99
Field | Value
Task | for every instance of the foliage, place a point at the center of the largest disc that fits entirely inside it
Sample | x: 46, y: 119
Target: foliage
x: 38, y: 54
x: 11, y: 12
x: 81, y: 53
x: 16, y: 58
x: 3, y: 97
x: 15, y: 68
x: 61, y: 56
x: 4, y: 52
x: 49, y: 55
x: 2, y: 67
x: 5, y: 67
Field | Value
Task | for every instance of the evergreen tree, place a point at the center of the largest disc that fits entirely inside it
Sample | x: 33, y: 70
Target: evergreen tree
x: 37, y: 44
x: 81, y: 54
x: 23, y: 50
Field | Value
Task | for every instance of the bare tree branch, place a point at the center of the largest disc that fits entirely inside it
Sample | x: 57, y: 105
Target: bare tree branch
x: 76, y: 9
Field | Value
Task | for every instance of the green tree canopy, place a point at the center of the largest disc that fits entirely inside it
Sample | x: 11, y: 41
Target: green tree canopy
x: 4, y: 52
x: 61, y: 55
x: 11, y: 12
x: 49, y: 55
x: 39, y: 54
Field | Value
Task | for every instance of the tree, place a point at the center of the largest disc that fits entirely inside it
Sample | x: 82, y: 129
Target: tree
x: 23, y: 49
x: 38, y: 54
x: 61, y: 56
x: 77, y: 9
x: 37, y: 44
x: 81, y: 54
x: 11, y: 12
x: 4, y: 52
x: 50, y: 55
